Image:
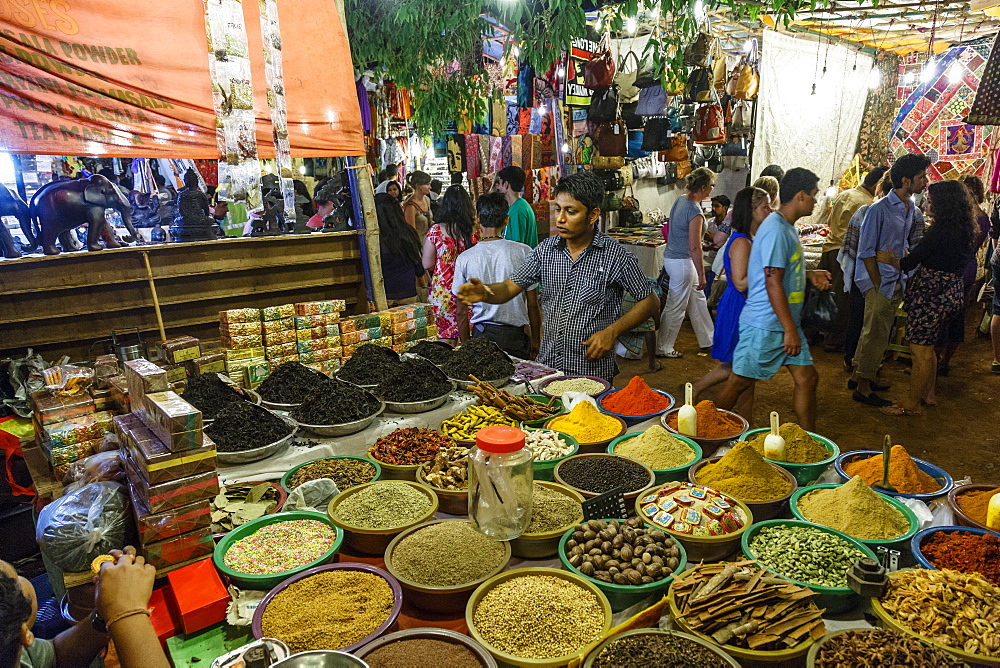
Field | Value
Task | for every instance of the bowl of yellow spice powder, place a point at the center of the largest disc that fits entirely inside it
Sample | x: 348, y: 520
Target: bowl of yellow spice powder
x: 744, y: 475
x: 807, y: 455
x: 670, y: 456
x: 592, y: 429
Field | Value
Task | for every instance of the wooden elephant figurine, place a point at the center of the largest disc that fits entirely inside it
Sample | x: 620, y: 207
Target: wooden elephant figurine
x: 11, y: 204
x: 61, y: 206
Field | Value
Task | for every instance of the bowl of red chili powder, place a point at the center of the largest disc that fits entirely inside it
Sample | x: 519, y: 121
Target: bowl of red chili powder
x: 636, y: 402
x: 962, y: 549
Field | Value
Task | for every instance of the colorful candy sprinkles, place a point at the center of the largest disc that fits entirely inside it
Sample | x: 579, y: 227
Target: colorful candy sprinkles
x: 280, y: 547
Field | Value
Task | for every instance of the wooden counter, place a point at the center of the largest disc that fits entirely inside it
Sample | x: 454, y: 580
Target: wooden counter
x: 62, y: 304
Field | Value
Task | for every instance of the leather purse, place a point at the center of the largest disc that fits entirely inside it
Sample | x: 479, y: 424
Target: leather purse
x: 603, y: 106
x: 611, y: 138
x: 607, y: 162
x: 599, y: 71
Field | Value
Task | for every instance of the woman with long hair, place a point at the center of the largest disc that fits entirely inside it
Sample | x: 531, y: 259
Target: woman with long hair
x: 684, y: 263
x: 750, y: 208
x: 402, y: 260
x: 417, y: 207
x: 450, y: 236
x: 935, y: 293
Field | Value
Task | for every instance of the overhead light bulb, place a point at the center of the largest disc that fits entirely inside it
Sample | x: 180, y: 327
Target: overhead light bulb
x: 302, y: 170
x: 566, y: 148
x: 747, y: 46
x: 874, y: 78
x: 831, y: 191
x: 631, y: 24
x: 909, y: 78
x: 542, y: 111
x: 516, y: 51
x: 561, y: 72
x: 699, y: 10
x: 928, y: 72
x: 955, y: 73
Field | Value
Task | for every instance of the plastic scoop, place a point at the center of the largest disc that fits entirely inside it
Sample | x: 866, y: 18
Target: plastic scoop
x: 886, y: 449
x: 774, y: 444
x: 687, y: 416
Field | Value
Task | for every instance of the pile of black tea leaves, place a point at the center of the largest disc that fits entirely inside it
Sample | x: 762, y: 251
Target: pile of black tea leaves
x: 414, y: 379
x: 369, y: 365
x: 335, y: 402
x: 480, y: 358
x: 289, y: 383
x: 437, y: 352
x: 210, y: 394
x: 243, y: 426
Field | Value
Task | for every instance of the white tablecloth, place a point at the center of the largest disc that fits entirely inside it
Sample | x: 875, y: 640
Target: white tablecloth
x: 650, y: 258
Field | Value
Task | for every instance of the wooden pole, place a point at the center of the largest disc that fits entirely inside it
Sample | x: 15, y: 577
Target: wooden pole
x: 371, y: 232
x: 156, y: 300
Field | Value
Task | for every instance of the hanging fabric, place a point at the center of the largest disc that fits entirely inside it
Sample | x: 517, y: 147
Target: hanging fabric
x: 517, y: 150
x: 473, y: 164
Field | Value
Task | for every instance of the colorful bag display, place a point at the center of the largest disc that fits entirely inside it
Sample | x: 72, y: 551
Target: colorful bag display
x: 625, y: 80
x: 608, y: 162
x: 603, y: 106
x: 657, y: 134
x: 652, y: 101
x: 678, y: 151
x: 699, y: 86
x: 709, y: 124
x: 599, y: 71
x: 611, y: 139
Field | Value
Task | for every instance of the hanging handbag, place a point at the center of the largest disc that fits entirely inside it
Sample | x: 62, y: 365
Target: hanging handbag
x: 656, y: 136
x: 699, y: 86
x: 611, y: 178
x: 719, y: 70
x: 628, y: 177
x: 647, y: 73
x: 674, y: 114
x: 740, y: 123
x: 607, y: 162
x: 643, y: 167
x: 669, y: 176
x: 627, y: 90
x: 677, y: 151
x: 632, y: 120
x: 611, y: 139
x: 748, y: 81
x: 683, y: 169
x: 652, y: 101
x: 525, y: 85
x: 612, y: 202
x: 599, y: 71
x: 631, y: 214
x: 635, y: 139
x: 709, y: 124
x: 603, y: 106
x: 698, y: 52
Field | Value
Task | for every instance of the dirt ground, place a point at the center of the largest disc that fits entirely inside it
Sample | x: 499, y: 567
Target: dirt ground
x: 961, y: 434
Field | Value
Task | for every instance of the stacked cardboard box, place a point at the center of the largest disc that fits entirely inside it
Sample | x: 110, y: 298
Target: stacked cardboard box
x: 243, y: 337
x: 67, y: 428
x: 279, y: 334
x: 317, y: 334
x: 171, y: 469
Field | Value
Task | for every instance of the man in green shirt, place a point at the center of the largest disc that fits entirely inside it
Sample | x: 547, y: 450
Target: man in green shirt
x: 522, y: 227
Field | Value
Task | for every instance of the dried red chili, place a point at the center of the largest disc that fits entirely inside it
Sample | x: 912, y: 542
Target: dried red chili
x: 966, y: 552
x: 406, y: 447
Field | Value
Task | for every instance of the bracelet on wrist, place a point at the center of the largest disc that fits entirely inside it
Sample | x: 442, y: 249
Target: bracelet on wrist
x: 128, y: 613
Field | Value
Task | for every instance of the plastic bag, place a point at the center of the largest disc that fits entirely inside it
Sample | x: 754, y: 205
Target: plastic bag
x: 75, y: 529
x: 25, y: 376
x: 819, y: 312
x: 102, y: 467
x: 314, y: 495
x: 571, y: 399
x: 67, y: 379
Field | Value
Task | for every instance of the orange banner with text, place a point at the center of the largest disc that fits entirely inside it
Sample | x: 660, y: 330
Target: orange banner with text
x: 103, y: 77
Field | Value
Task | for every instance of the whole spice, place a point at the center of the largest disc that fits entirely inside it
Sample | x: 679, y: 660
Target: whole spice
x: 805, y: 554
x: 518, y: 407
x: 329, y: 610
x: 447, y: 554
x: 539, y: 617
x: 960, y: 610
x: 551, y: 511
x: 974, y: 503
x: 712, y: 423
x: 409, y: 446
x: 465, y: 425
x: 603, y: 473
x: 800, y: 447
x: 739, y: 604
x: 904, y: 474
x: 657, y: 448
x: 876, y: 648
x: 546, y: 444
x: 625, y: 553
x: 481, y: 358
x: 437, y: 352
x: 244, y: 426
x: 855, y: 509
x: 414, y: 379
x: 449, y: 469
x: 385, y: 504
x: 665, y: 650
x: 280, y: 547
x: 423, y: 653
x: 586, y: 385
x: 369, y: 365
x: 289, y: 383
x: 965, y: 552
x: 636, y: 398
x: 334, y: 402
x: 744, y: 475
x: 586, y: 424
x: 210, y: 394
x: 236, y: 505
x: 685, y: 508
x: 345, y: 472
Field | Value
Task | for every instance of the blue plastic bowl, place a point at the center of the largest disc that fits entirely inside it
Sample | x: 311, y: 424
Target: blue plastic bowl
x: 935, y: 472
x: 923, y: 534
x: 632, y: 420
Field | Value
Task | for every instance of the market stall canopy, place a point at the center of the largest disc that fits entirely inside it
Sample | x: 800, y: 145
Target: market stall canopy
x: 105, y: 78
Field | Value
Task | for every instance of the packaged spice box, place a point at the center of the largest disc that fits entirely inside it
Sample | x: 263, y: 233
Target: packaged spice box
x: 103, y: 401
x: 311, y: 334
x: 281, y: 325
x: 240, y: 315
x: 282, y: 312
x: 310, y: 321
x: 245, y: 354
x: 320, y: 307
x: 158, y: 497
x: 210, y: 363
x: 279, y: 338
x: 142, y: 377
x: 239, y: 329
x: 320, y: 355
x: 160, y: 526
x: 180, y: 548
x: 179, y: 349
x: 155, y: 461
x: 243, y: 342
x: 176, y: 373
x: 75, y: 430
x: 67, y: 454
x: 175, y: 422
x: 105, y: 366
x: 281, y: 350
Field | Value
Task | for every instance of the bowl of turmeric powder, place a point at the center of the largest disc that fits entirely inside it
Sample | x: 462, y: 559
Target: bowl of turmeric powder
x: 968, y: 503
x: 913, y: 478
x: 807, y: 454
x: 746, y: 476
x: 716, y: 427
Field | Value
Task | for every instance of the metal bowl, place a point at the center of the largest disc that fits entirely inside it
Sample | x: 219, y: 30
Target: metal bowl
x: 466, y: 383
x: 270, y: 405
x: 409, y: 407
x: 346, y: 428
x: 321, y: 658
x: 256, y: 454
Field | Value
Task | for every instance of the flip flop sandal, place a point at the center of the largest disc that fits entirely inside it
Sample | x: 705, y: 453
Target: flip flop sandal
x: 995, y: 367
x: 898, y: 410
x: 876, y: 387
x: 673, y: 355
x: 871, y: 400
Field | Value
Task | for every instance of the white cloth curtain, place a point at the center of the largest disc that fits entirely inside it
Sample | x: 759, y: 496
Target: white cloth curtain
x: 796, y: 128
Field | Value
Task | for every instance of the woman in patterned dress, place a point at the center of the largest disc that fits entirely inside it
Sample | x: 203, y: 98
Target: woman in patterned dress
x: 446, y: 239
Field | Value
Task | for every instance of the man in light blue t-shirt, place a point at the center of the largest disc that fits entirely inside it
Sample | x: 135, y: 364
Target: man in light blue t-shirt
x: 522, y: 227
x: 770, y: 332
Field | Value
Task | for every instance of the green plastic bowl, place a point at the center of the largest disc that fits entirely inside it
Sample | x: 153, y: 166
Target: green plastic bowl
x: 665, y: 475
x: 897, y: 543
x: 624, y: 596
x: 271, y: 581
x: 544, y: 399
x: 803, y: 473
x: 544, y: 469
x: 833, y: 599
x: 286, y: 479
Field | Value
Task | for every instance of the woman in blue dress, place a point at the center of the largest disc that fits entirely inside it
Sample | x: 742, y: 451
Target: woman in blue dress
x: 750, y: 208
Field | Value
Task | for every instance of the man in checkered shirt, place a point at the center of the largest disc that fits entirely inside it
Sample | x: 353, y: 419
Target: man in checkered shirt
x: 581, y: 274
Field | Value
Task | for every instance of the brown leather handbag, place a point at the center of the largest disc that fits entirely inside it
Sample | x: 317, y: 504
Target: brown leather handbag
x: 611, y: 138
